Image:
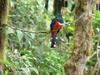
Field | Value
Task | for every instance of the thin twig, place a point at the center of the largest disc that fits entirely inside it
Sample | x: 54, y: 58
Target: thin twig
x: 92, y: 55
x: 76, y: 19
x: 16, y: 28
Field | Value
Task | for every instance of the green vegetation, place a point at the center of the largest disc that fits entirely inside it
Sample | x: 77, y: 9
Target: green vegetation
x: 29, y: 52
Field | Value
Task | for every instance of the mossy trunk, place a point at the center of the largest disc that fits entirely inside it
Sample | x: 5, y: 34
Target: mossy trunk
x: 82, y: 38
x: 4, y: 11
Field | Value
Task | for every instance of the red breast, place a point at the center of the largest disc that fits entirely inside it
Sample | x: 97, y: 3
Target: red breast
x: 57, y: 25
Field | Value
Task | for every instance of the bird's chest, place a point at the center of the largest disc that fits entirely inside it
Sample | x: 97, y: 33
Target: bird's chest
x: 57, y: 25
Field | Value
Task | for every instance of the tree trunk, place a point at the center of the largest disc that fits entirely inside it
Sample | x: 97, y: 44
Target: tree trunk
x: 4, y: 10
x: 58, y: 4
x: 82, y: 38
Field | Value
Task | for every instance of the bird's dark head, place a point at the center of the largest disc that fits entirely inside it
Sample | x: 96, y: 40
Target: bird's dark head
x: 59, y: 18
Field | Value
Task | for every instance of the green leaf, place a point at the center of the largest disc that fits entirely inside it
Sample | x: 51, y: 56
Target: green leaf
x: 71, y: 27
x: 10, y: 30
x: 32, y: 35
x: 36, y: 71
x: 97, y: 14
x: 19, y: 35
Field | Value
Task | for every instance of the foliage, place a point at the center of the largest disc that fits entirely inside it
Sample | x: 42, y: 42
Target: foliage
x: 29, y: 51
x: 96, y: 20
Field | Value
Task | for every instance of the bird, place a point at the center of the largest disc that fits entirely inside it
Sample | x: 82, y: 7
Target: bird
x: 55, y: 27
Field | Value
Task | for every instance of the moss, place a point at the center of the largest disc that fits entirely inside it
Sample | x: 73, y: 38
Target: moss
x: 4, y: 11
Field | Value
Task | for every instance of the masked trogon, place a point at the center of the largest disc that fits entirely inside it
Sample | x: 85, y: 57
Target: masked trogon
x: 55, y: 26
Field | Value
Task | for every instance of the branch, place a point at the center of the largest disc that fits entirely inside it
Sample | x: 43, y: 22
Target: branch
x: 92, y: 55
x: 15, y: 28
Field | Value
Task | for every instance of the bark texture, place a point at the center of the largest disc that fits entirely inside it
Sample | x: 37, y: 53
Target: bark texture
x: 4, y: 9
x: 82, y: 38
